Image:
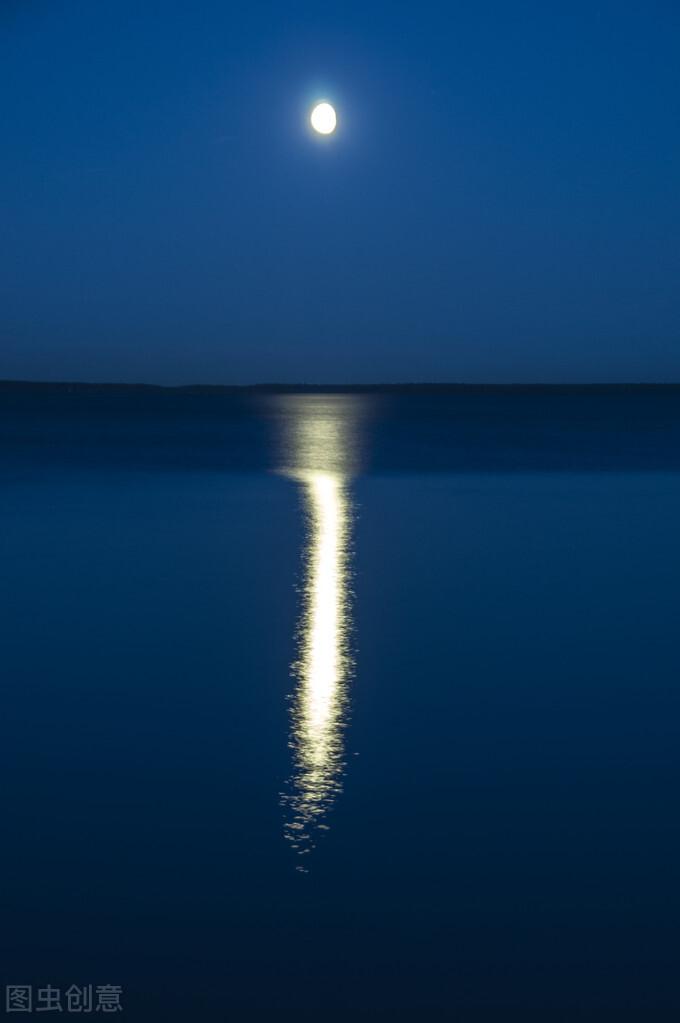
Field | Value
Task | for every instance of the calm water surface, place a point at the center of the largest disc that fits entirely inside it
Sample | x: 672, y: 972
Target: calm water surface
x: 343, y: 706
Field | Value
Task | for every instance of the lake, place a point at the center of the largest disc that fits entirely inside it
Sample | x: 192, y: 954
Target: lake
x: 357, y: 705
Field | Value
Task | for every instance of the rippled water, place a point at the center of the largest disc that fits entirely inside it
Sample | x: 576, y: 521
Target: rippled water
x: 342, y: 705
x: 320, y: 450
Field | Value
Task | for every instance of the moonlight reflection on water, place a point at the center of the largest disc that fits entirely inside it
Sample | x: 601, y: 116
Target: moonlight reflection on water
x: 320, y: 453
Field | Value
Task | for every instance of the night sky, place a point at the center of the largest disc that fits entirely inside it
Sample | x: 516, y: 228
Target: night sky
x: 500, y: 201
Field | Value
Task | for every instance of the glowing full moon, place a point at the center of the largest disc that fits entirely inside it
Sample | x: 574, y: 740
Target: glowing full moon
x: 323, y: 118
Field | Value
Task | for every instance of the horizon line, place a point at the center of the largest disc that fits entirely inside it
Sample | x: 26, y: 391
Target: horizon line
x: 321, y: 386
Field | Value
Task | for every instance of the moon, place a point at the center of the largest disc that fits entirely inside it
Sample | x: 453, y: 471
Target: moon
x: 323, y: 119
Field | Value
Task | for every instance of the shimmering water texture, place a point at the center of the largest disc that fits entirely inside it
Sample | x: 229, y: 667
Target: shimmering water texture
x: 478, y: 593
x: 319, y: 452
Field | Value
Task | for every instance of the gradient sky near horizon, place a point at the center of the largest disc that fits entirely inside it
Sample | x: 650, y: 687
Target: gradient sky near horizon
x: 500, y: 202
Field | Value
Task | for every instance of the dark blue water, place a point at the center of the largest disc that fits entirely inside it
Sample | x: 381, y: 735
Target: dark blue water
x: 333, y: 707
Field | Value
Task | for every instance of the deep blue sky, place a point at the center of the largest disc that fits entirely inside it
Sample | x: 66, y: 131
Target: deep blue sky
x: 500, y: 203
